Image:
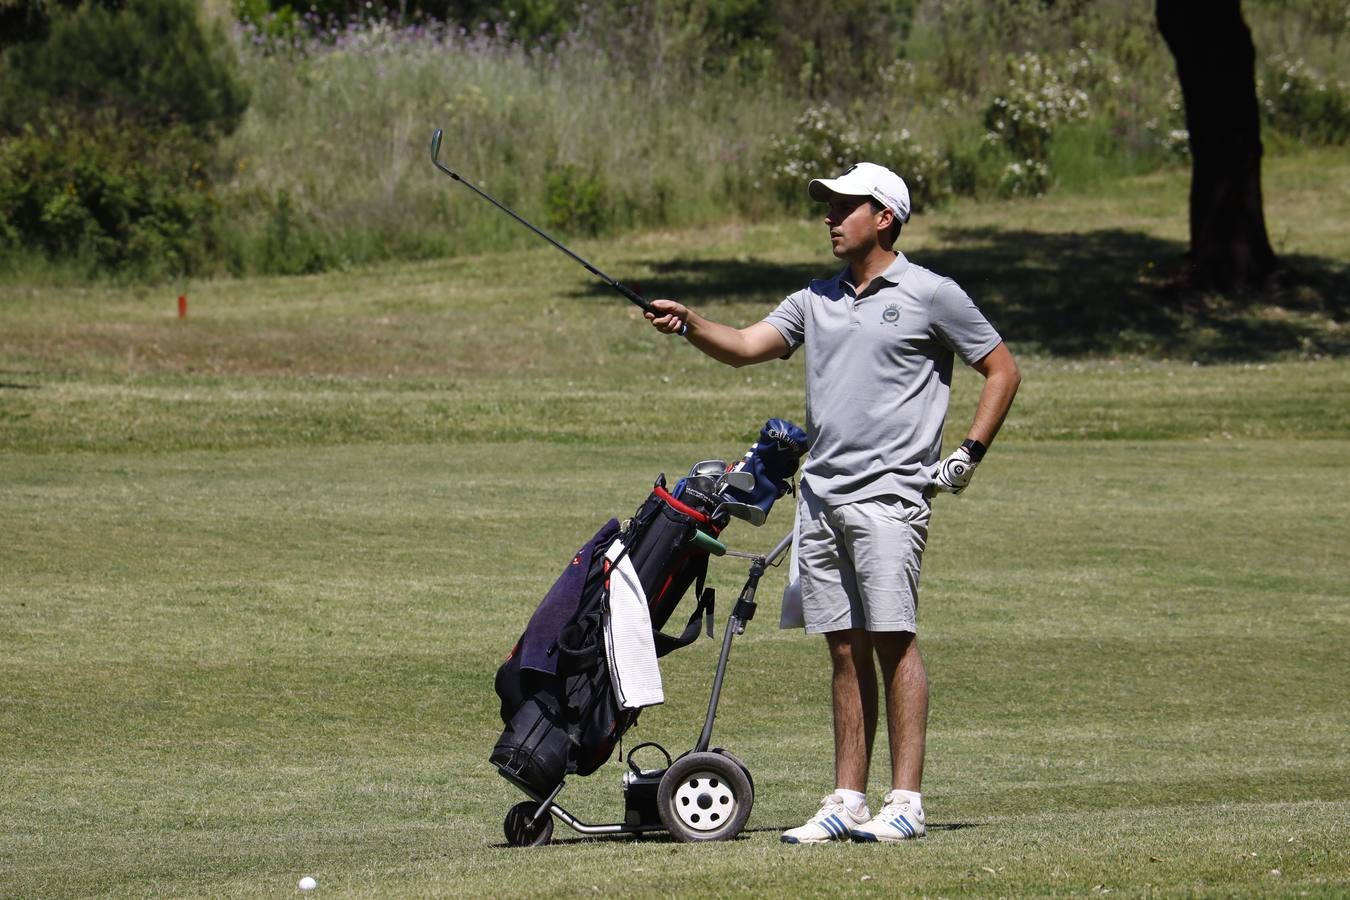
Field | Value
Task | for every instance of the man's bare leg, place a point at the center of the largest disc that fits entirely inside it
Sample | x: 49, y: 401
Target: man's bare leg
x: 854, y: 684
x: 906, y: 681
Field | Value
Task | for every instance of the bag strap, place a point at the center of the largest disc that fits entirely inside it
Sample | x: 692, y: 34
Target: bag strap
x: 666, y: 643
x: 580, y: 645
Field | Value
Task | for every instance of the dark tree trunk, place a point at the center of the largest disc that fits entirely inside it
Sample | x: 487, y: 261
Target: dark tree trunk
x: 1216, y: 65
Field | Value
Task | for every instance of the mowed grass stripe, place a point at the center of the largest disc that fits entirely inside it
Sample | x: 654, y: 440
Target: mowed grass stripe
x: 1136, y: 670
x: 1140, y: 401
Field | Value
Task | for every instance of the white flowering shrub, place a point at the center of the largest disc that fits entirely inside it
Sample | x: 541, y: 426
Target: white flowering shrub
x: 826, y: 140
x: 1039, y: 96
x: 1302, y: 104
x: 1027, y: 178
x: 1177, y: 143
x: 1086, y: 68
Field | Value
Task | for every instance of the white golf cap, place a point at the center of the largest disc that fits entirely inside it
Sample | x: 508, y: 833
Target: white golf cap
x: 865, y: 180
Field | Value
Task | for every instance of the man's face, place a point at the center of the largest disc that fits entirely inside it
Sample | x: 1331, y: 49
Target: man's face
x: 853, y: 226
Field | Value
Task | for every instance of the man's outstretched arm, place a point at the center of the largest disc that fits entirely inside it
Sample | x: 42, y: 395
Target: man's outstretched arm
x: 755, y: 343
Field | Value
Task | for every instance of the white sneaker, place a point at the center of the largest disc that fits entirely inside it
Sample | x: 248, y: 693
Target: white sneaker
x: 897, y: 821
x: 832, y: 823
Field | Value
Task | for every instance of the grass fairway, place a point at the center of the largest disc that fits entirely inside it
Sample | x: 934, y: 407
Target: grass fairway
x: 261, y: 564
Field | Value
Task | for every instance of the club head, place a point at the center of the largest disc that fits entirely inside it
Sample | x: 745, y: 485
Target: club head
x: 436, y: 145
x: 713, y: 467
x: 703, y: 486
x: 743, y: 511
x: 741, y: 480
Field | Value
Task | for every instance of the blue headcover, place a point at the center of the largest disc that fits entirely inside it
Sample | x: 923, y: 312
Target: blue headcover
x: 772, y: 460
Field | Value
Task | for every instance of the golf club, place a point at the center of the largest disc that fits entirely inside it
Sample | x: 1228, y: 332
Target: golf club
x: 632, y: 295
x: 744, y: 511
x: 708, y: 467
x: 737, y: 479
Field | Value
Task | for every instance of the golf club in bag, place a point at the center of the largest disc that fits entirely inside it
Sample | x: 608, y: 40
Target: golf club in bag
x: 586, y: 664
x: 632, y: 295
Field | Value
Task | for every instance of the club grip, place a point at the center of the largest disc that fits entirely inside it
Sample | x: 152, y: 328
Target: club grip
x: 705, y: 541
x: 643, y: 302
x: 636, y: 298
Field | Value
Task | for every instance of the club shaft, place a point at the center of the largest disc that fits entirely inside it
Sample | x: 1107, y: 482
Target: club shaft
x: 627, y: 292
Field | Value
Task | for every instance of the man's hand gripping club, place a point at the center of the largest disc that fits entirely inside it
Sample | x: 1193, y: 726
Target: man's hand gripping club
x: 672, y: 318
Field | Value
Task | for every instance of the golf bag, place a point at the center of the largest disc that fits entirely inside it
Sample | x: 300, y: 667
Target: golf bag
x: 557, y: 689
x: 564, y: 700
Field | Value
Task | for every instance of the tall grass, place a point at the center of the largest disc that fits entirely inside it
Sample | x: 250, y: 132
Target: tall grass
x: 345, y: 156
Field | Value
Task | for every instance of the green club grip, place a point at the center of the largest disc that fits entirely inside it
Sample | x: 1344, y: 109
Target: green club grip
x: 706, y: 541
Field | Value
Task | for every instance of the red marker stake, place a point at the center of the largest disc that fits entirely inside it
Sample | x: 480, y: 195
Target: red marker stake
x: 182, y: 306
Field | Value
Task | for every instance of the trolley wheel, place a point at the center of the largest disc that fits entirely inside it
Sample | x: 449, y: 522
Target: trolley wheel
x: 704, y: 797
x: 738, y: 761
x: 522, y: 831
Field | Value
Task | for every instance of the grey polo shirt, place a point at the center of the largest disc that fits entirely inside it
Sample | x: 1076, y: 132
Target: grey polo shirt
x: 878, y: 376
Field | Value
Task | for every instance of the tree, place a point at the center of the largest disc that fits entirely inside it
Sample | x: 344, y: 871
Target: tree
x: 110, y: 111
x: 1216, y: 65
x: 146, y: 62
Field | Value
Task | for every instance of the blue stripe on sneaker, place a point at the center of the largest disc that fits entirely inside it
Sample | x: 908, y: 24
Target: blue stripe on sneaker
x: 901, y: 824
x: 834, y: 827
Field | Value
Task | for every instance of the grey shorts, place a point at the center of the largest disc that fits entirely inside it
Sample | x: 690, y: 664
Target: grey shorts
x: 860, y: 563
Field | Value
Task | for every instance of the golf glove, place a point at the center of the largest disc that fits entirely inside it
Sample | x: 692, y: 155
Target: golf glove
x: 955, y: 471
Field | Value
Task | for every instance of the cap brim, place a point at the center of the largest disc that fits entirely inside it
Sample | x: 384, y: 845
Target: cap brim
x: 823, y: 190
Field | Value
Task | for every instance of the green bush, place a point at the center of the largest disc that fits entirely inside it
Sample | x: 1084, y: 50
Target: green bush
x: 1026, y: 178
x: 107, y: 130
x: 576, y: 201
x: 113, y: 197
x: 1303, y: 105
x: 292, y: 241
x: 151, y: 62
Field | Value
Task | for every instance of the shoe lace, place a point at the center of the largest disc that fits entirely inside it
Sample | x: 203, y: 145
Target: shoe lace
x: 829, y: 806
x: 896, y: 807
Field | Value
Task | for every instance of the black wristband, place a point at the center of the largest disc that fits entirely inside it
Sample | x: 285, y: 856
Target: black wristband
x: 975, y: 449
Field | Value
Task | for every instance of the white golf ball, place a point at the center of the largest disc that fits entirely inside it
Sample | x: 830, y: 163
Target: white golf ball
x: 308, y: 884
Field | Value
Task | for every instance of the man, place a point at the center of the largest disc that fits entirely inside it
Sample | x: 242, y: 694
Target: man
x: 880, y: 339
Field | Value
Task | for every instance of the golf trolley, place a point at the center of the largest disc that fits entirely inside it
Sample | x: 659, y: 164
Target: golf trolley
x: 704, y: 795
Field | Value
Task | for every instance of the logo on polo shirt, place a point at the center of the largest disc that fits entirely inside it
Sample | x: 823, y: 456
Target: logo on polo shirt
x: 891, y: 314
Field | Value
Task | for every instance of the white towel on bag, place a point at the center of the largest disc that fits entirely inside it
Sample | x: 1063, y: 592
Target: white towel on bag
x: 628, y: 637
x: 791, y: 614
